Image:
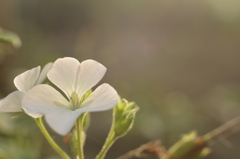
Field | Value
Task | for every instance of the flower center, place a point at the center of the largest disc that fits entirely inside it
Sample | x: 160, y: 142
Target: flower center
x: 75, y: 101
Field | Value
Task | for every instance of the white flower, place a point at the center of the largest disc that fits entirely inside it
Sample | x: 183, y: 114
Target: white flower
x: 23, y: 82
x: 74, y: 80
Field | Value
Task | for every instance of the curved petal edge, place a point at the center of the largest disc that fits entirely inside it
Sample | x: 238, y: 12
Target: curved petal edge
x: 12, y: 103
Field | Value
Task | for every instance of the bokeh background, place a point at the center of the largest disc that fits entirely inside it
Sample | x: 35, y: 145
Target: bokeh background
x: 179, y: 60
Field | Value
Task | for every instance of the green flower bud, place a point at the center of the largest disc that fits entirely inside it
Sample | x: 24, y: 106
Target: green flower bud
x: 124, y: 115
x: 190, y: 146
x: 123, y: 119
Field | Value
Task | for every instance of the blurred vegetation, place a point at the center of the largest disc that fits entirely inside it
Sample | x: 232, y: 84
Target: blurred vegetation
x: 8, y: 37
x: 178, y: 60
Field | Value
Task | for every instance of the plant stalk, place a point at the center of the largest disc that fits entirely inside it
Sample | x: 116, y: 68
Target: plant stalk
x: 50, y: 140
x: 80, y: 130
x: 108, y: 143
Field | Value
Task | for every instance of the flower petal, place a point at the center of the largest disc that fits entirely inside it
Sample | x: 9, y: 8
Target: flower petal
x: 43, y: 74
x: 27, y: 80
x: 103, y: 98
x: 62, y: 121
x: 64, y: 74
x: 91, y: 72
x: 12, y: 103
x: 43, y: 99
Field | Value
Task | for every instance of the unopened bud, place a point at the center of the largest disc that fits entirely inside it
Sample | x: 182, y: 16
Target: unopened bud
x: 124, y: 115
x: 190, y: 146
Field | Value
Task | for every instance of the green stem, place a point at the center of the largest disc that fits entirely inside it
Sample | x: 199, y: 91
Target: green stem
x: 50, y: 140
x: 79, y: 126
x: 222, y: 130
x: 108, y: 143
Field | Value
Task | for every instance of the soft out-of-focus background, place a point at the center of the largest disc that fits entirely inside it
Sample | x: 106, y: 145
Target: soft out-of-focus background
x: 179, y: 60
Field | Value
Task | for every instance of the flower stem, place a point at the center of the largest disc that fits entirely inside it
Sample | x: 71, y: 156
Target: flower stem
x: 108, y: 143
x: 50, y: 140
x: 79, y: 126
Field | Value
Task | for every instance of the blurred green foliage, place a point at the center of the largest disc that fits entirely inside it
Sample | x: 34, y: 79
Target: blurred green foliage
x: 10, y: 38
x: 19, y: 139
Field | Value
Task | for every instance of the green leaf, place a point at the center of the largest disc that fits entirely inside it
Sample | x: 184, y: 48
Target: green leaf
x: 10, y: 38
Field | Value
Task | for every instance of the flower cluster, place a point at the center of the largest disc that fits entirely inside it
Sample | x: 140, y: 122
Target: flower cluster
x: 61, y: 107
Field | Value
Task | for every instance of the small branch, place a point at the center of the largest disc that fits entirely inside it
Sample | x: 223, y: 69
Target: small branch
x: 151, y: 150
x: 224, y: 130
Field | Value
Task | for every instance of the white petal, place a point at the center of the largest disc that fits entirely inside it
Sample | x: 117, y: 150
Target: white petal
x: 64, y: 74
x: 43, y: 99
x: 27, y: 80
x: 62, y: 121
x: 12, y: 103
x: 43, y: 74
x: 103, y: 98
x: 91, y: 72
